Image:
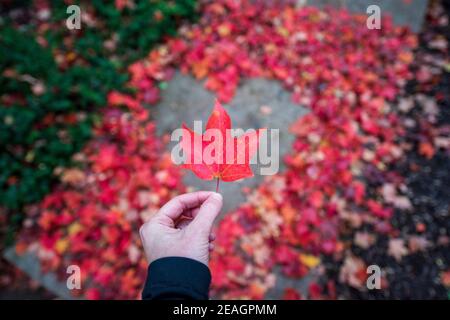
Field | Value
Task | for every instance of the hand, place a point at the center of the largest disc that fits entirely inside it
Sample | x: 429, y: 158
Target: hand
x: 182, y: 227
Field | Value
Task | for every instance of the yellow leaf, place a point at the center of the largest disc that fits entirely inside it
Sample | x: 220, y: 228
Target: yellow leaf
x: 309, y: 260
x: 61, y: 245
x: 283, y: 32
x: 74, y: 228
x: 224, y: 30
x: 73, y: 176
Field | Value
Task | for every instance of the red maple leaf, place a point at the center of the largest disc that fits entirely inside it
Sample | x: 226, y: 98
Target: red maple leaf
x: 217, y: 154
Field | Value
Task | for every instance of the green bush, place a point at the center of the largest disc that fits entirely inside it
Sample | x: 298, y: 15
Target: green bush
x: 37, y: 94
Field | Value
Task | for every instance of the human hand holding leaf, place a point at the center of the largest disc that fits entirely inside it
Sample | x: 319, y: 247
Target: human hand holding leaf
x: 216, y: 154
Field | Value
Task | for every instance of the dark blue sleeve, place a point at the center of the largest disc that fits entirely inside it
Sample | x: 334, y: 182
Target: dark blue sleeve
x: 174, y: 278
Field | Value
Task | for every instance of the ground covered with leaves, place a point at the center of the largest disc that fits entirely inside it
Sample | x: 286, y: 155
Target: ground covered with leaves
x: 365, y: 181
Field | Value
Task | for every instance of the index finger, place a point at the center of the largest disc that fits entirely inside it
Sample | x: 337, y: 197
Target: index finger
x: 175, y: 207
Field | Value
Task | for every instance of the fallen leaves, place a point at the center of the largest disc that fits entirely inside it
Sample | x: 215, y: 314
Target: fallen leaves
x: 92, y: 218
x: 317, y: 209
x: 397, y: 249
x: 364, y: 239
x: 391, y: 196
x: 73, y: 176
x: 426, y: 149
x: 353, y: 272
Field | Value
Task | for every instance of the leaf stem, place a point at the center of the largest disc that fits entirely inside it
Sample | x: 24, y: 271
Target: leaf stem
x: 217, y: 184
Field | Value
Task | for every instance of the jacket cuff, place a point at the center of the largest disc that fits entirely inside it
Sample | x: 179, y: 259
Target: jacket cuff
x: 177, y: 278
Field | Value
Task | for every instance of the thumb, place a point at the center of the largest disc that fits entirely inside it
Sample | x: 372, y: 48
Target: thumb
x: 207, y: 213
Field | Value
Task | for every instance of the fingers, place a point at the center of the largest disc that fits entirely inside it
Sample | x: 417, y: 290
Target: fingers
x: 208, y: 212
x: 186, y: 218
x: 183, y: 223
x: 178, y: 205
x: 191, y: 213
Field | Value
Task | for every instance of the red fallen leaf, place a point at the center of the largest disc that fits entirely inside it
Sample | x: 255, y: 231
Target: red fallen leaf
x: 291, y: 294
x: 331, y: 286
x: 426, y: 149
x: 445, y: 276
x: 217, y: 154
x: 316, y: 199
x: 93, y: 294
x: 315, y: 291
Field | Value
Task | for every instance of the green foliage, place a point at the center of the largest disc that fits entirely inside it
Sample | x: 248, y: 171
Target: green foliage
x: 38, y: 95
